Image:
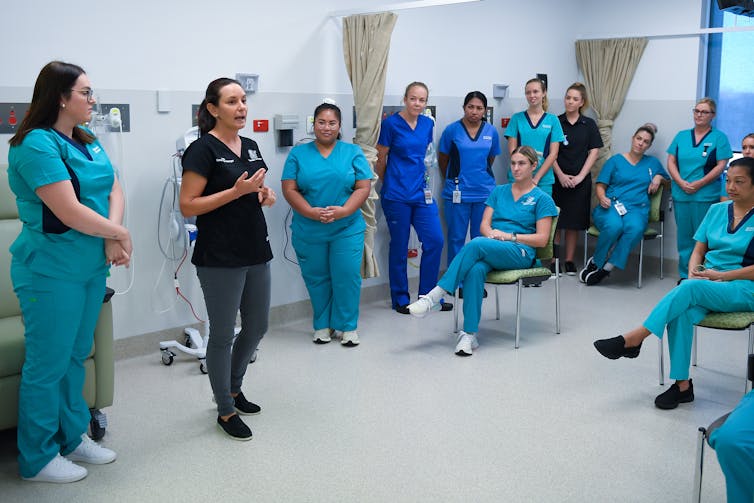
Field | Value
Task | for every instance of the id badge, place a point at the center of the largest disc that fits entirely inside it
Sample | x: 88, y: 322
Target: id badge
x: 427, y: 195
x: 620, y: 208
x: 457, y: 196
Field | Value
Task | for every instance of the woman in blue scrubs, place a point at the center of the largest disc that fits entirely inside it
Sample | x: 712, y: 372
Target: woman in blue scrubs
x: 696, y: 159
x: 623, y: 189
x: 721, y: 279
x: 71, y: 206
x: 539, y: 130
x: 465, y: 155
x: 406, y: 195
x: 516, y: 221
x: 326, y: 182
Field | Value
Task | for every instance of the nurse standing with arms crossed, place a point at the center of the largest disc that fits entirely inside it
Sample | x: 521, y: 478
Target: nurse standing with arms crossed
x: 326, y: 182
x: 696, y: 159
x: 407, y: 197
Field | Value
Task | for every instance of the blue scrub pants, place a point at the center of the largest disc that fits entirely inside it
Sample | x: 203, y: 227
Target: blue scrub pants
x: 458, y: 217
x: 619, y: 233
x: 686, y: 305
x: 227, y: 291
x: 332, y: 273
x: 425, y: 219
x: 734, y: 444
x: 59, y: 320
x: 470, y: 267
x: 688, y: 218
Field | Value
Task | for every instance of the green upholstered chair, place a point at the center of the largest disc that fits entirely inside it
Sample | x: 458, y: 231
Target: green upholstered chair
x: 719, y: 321
x: 655, y: 230
x: 98, y: 387
x: 522, y: 278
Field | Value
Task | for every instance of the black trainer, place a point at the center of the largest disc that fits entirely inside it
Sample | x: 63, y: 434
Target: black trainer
x: 596, y: 277
x: 234, y: 427
x: 614, y: 348
x: 245, y: 407
x: 589, y: 267
x: 570, y: 268
x: 673, y: 396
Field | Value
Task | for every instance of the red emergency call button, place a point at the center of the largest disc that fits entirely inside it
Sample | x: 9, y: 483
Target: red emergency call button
x: 261, y: 125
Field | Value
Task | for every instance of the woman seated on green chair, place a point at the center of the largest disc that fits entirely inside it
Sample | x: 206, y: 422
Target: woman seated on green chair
x: 721, y: 279
x: 517, y: 220
x: 623, y: 189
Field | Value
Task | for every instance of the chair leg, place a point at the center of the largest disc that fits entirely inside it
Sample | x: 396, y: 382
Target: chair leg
x: 699, y: 465
x: 641, y: 262
x: 751, y: 350
x: 557, y: 295
x: 518, y: 310
x: 660, y: 351
x: 586, y: 236
x: 662, y: 250
x: 497, y: 303
x: 694, y: 346
x: 456, y: 308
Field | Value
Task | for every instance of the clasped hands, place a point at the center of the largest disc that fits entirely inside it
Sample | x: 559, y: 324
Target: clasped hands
x: 328, y: 214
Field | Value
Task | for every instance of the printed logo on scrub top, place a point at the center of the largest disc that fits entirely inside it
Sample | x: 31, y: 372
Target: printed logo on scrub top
x: 254, y: 155
x: 96, y: 149
x: 529, y: 201
x: 226, y: 161
x: 487, y: 138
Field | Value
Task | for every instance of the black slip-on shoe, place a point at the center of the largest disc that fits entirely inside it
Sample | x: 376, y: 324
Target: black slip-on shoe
x: 673, y: 396
x: 570, y: 269
x: 614, y: 348
x: 402, y: 309
x: 245, y: 407
x: 234, y: 427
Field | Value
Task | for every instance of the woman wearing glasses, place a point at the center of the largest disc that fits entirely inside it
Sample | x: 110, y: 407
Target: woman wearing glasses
x: 696, y: 159
x: 71, y: 206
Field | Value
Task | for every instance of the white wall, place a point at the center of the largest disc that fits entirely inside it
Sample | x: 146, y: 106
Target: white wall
x: 132, y: 49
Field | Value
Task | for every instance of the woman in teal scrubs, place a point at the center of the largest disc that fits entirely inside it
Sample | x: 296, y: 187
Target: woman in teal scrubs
x: 71, y: 206
x: 326, y: 182
x: 696, y: 159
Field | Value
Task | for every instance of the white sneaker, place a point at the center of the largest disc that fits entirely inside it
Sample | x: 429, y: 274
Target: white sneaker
x: 91, y: 452
x: 466, y: 343
x: 59, y: 471
x: 350, y: 338
x: 421, y: 307
x: 322, y: 336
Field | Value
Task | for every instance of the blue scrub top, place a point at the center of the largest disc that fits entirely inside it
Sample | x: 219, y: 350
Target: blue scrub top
x: 520, y: 216
x: 730, y: 247
x: 696, y: 160
x: 326, y: 182
x: 628, y: 183
x: 468, y: 161
x: 404, y: 173
x: 537, y: 136
x: 45, y: 244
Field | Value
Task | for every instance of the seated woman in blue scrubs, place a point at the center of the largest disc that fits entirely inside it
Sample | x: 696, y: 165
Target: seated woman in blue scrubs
x: 406, y: 195
x: 326, y: 182
x: 517, y: 220
x: 623, y: 189
x: 721, y: 279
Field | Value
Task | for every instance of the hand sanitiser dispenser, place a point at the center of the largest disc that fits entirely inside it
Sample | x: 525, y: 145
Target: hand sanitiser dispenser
x: 284, y: 124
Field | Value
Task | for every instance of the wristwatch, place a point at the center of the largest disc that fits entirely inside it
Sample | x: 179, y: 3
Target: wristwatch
x: 514, y: 237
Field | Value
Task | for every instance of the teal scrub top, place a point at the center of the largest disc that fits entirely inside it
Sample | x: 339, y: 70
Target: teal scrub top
x: 729, y: 246
x: 628, y: 183
x: 326, y: 182
x: 538, y: 136
x: 45, y: 244
x: 696, y: 160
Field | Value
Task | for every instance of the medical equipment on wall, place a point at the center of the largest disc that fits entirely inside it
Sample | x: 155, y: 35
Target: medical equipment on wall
x: 181, y: 236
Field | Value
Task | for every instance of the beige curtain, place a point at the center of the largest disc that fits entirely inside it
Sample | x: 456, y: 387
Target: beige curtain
x: 366, y: 42
x: 608, y: 67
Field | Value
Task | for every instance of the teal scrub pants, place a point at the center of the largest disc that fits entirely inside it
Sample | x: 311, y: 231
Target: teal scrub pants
x: 734, y: 444
x: 686, y: 305
x: 332, y: 274
x: 59, y: 320
x: 470, y: 267
x: 688, y: 218
x: 619, y: 233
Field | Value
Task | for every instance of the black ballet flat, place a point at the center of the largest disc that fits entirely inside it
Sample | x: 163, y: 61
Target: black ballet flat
x: 614, y: 348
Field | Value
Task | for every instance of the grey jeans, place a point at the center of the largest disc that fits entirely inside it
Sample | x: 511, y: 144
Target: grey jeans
x: 228, y: 290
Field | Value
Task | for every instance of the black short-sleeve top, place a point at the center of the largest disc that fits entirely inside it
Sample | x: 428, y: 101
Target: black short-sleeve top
x: 235, y: 234
x: 580, y: 138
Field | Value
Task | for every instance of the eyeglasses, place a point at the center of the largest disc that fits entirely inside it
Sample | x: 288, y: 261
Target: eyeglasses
x: 701, y: 112
x: 87, y: 93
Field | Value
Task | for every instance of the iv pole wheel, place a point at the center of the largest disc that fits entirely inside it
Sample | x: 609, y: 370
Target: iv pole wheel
x: 167, y: 357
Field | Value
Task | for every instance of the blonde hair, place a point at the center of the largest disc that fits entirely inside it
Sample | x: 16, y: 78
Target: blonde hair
x: 528, y: 152
x: 581, y: 88
x: 545, y: 101
x: 415, y: 84
x: 710, y: 102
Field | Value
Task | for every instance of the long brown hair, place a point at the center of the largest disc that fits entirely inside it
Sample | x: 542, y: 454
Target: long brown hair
x: 55, y: 80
